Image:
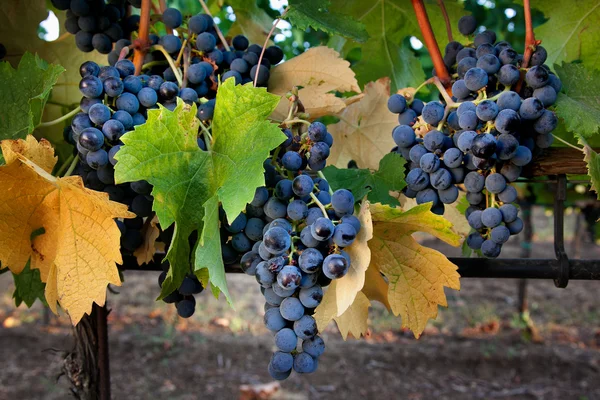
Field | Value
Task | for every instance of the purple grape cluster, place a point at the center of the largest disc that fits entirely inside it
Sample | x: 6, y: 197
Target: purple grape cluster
x: 291, y: 238
x: 97, y: 24
x: 115, y: 100
x: 480, y: 141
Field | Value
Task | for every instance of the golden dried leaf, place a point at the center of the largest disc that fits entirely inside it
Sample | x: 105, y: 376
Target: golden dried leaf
x: 460, y: 225
x: 376, y: 288
x: 145, y: 253
x: 350, y: 285
x: 79, y: 249
x: 354, y: 320
x: 327, y: 310
x: 319, y: 71
x: 416, y: 275
x: 364, y: 133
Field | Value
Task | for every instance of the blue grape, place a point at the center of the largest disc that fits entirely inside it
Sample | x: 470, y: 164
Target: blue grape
x: 113, y: 130
x: 309, y: 280
x: 324, y: 197
x: 291, y: 309
x: 474, y: 241
x: 282, y: 362
x: 468, y: 120
x: 305, y: 327
x: 283, y: 293
x: 448, y: 195
x: 433, y: 112
x: 467, y: 25
x: 249, y: 262
x: 539, y: 56
x: 426, y: 196
x: 506, y: 146
x: 261, y: 195
x: 522, y: 156
x: 537, y: 77
x: 465, y: 65
x: 484, y: 145
x: 168, y: 91
x: 171, y: 43
x: 188, y: 95
x: 407, y: 117
x: 302, y: 185
x: 263, y: 74
x: 342, y: 202
x: 263, y: 275
x: 546, y: 123
x: 515, y: 226
x: 241, y: 243
x: 311, y: 297
x: 434, y: 140
x: 335, y: 266
x: 277, y: 240
x: 297, y: 210
x: 396, y: 103
x: 172, y: 18
x: 304, y: 363
x: 279, y: 376
x: 465, y: 140
x: 286, y: 340
x: 289, y: 277
x: 464, y: 107
x: 489, y: 63
x: 307, y: 238
x: 509, y: 213
x: 508, y: 195
x: 416, y: 152
x: 509, y: 100
x: 490, y: 249
x: 460, y: 90
x: 453, y: 158
x: 283, y: 190
x: 125, y: 68
x: 91, y: 86
x: 80, y: 122
x: 511, y: 172
x: 274, y: 208
x: 281, y: 223
x: 474, y: 182
x: 485, y: 49
x: 491, y: 217
x: 474, y: 220
x: 500, y: 234
x: 111, y: 154
x: 314, y: 346
x: 458, y: 174
x: 531, y: 109
x: 555, y: 82
x: 344, y: 235
x: 113, y: 86
x: 441, y: 179
x: 487, y: 110
x: 508, y: 75
x: 89, y: 68
x: 429, y: 163
x: 310, y: 260
x: 476, y: 79
x: 484, y: 37
x: 97, y: 159
x: 128, y: 102
x: 417, y: 179
x: 352, y: 220
x: 322, y: 229
x: 186, y: 307
x: 403, y: 135
x: 495, y: 183
x: 238, y: 224
x: 508, y: 56
x: 545, y: 140
x: 317, y: 131
x: 196, y: 73
x: 91, y: 139
x: 319, y: 152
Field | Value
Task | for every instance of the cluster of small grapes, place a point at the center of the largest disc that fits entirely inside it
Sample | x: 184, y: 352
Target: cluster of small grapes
x: 98, y: 24
x: 291, y: 238
x: 481, y: 138
x: 183, y: 297
x: 115, y: 100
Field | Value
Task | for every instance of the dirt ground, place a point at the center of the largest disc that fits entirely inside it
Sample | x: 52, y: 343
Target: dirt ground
x: 478, y: 348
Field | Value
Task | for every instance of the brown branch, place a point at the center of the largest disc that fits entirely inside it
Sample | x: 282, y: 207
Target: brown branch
x: 219, y: 33
x: 141, y: 43
x: 431, y: 43
x: 446, y: 19
x: 262, y: 52
x: 530, y: 43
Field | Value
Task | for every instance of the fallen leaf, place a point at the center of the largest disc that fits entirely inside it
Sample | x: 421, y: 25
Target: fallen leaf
x: 79, y: 249
x: 145, y: 253
x: 364, y: 133
x: 319, y: 71
x: 416, y: 274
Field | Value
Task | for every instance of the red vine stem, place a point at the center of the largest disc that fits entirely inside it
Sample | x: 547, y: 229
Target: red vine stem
x: 530, y: 42
x: 262, y: 52
x: 446, y: 19
x: 431, y: 43
x: 142, y: 42
x: 163, y: 7
x: 219, y: 33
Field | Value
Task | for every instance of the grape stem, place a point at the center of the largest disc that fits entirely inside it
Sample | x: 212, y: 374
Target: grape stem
x: 322, y: 176
x: 142, y: 42
x: 170, y: 61
x: 295, y: 121
x: 530, y: 42
x: 219, y: 33
x: 446, y: 19
x: 262, y: 52
x: 208, y: 136
x: 59, y: 120
x: 71, y: 167
x: 566, y: 143
x: 318, y: 203
x: 421, y: 86
x: 64, y: 166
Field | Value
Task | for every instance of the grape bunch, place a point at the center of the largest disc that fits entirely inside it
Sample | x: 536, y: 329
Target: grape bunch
x: 291, y: 238
x: 482, y: 137
x: 97, y: 24
x: 115, y: 100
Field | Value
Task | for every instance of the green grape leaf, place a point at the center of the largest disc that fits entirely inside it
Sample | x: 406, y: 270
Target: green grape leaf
x: 593, y: 164
x: 28, y: 287
x: 572, y: 31
x: 23, y: 94
x: 389, y: 23
x: 376, y: 185
x: 250, y: 21
x: 579, y: 106
x: 189, y: 183
x: 315, y: 13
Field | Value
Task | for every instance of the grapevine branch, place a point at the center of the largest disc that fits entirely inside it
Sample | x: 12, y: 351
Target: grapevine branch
x: 530, y: 42
x: 142, y: 42
x: 446, y: 19
x: 431, y: 43
x: 163, y: 7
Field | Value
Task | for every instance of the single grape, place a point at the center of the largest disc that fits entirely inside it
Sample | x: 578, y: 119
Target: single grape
x: 304, y: 363
x: 433, y: 112
x: 302, y: 185
x: 468, y: 120
x: 305, y: 327
x: 91, y: 139
x: 403, y: 135
x: 441, y: 179
x: 342, y: 202
x: 474, y: 241
x: 536, y: 77
x: 508, y: 75
x: 474, y: 220
x: 491, y: 217
x: 286, y: 340
x: 474, y: 182
x: 495, y: 183
x: 314, y: 346
x: 277, y: 240
x: 467, y: 25
x: 417, y: 179
x: 448, y: 195
x: 186, y: 307
x: 476, y: 79
x: 311, y: 297
x: 344, y: 235
x: 515, y: 226
x: 522, y: 156
x: 289, y: 277
x: 490, y: 249
x: 335, y: 266
x: 396, y: 103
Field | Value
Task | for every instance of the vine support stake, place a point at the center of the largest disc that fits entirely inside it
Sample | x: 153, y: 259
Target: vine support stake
x: 431, y: 43
x: 142, y: 41
x: 103, y: 354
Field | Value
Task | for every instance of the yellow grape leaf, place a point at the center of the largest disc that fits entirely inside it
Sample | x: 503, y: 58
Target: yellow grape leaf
x: 364, y: 133
x: 327, y: 310
x: 145, y: 253
x: 355, y: 319
x: 319, y: 71
x: 416, y: 275
x: 376, y: 288
x: 79, y: 249
x: 350, y: 285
